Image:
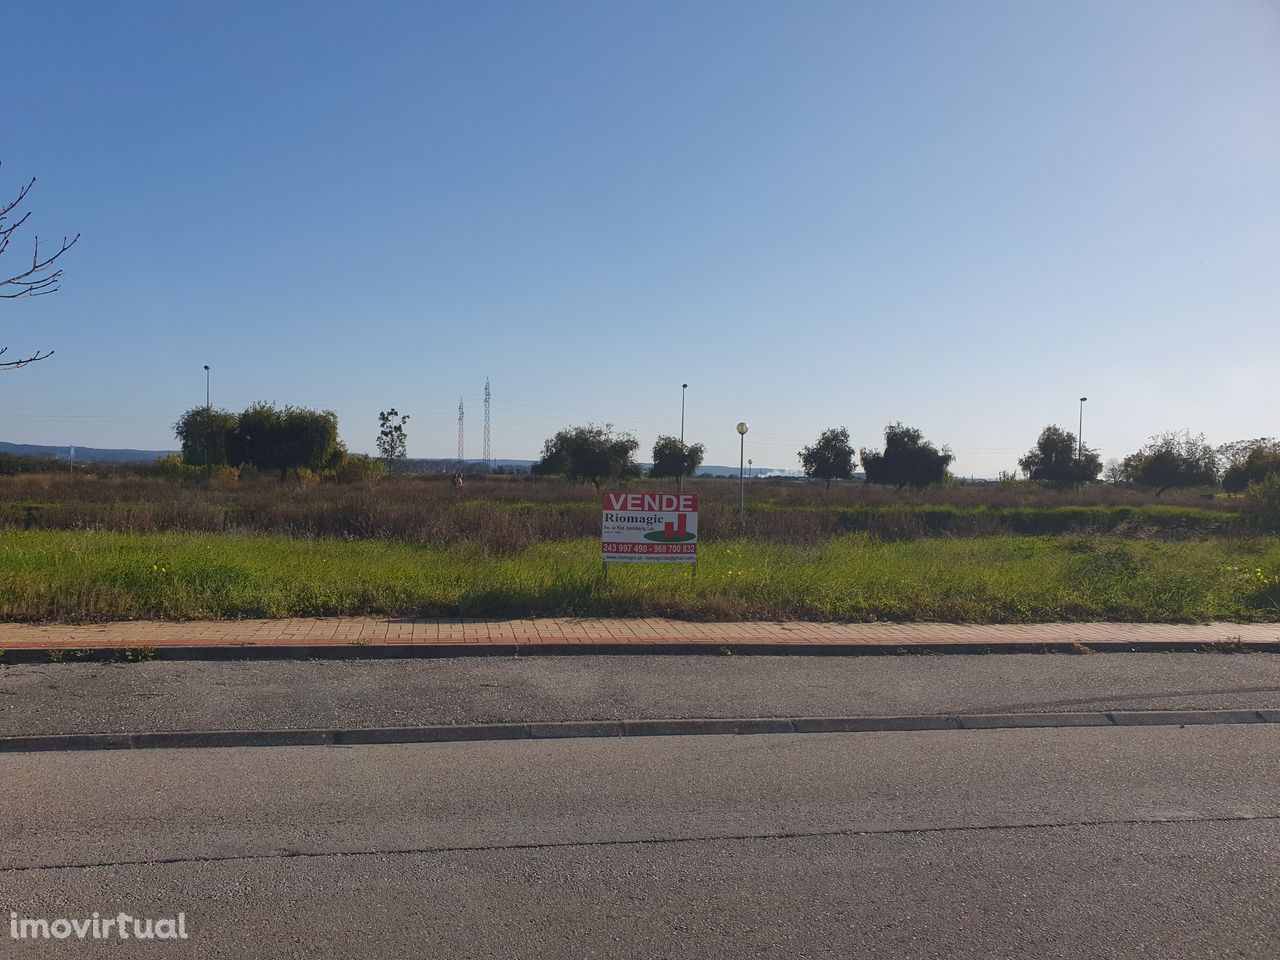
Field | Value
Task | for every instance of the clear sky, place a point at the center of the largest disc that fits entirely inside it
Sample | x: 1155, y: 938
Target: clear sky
x: 962, y: 215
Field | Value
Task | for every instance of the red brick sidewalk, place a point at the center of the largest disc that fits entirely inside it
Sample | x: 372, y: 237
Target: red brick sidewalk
x: 319, y: 635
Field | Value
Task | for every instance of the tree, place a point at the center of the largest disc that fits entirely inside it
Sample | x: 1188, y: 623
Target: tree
x: 1058, y: 459
x: 592, y: 453
x: 33, y: 281
x: 908, y: 459
x: 292, y: 438
x: 1248, y: 461
x: 831, y: 458
x: 671, y: 458
x: 392, y: 440
x: 205, y: 435
x: 310, y: 439
x: 259, y: 438
x: 1172, y: 460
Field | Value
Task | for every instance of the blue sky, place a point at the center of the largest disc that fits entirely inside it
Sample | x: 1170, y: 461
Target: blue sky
x: 960, y: 215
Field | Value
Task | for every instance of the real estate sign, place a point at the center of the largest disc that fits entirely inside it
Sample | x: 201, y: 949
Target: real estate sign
x: 650, y: 528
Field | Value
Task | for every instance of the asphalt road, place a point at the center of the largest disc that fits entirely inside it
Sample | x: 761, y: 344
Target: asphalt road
x: 140, y: 697
x: 1075, y: 843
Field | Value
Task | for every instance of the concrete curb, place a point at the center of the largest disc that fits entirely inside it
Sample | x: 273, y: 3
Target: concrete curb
x: 414, y: 651
x: 179, y: 739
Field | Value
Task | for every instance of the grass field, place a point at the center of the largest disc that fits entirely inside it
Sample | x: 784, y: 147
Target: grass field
x: 96, y: 575
x: 98, y: 548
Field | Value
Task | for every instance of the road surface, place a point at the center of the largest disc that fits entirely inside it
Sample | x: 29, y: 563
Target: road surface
x: 1159, y: 842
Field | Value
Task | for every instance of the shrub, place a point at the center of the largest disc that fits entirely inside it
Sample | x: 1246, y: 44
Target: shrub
x: 13, y: 464
x: 908, y: 459
x: 359, y: 468
x: 174, y: 467
x: 1266, y: 491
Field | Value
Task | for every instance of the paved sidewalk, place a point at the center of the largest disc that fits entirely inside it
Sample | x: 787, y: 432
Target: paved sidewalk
x: 348, y: 636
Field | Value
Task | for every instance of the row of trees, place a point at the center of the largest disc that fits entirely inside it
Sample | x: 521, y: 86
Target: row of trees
x: 267, y: 437
x: 908, y: 459
x: 285, y: 439
x: 595, y: 454
x: 1167, y: 461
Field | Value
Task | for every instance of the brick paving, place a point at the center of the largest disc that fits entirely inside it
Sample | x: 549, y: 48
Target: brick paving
x: 458, y: 634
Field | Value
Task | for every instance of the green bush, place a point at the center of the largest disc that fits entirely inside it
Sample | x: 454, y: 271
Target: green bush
x: 174, y: 467
x: 1266, y: 491
x: 1259, y: 463
x: 908, y: 459
x: 359, y: 468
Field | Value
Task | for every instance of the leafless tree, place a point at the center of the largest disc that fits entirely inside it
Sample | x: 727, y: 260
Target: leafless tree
x: 36, y: 280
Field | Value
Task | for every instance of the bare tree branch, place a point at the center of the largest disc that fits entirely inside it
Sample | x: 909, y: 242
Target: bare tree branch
x: 22, y: 195
x: 16, y: 364
x: 30, y: 282
x: 37, y: 280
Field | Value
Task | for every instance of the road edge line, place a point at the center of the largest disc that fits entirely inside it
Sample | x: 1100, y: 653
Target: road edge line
x: 595, y: 729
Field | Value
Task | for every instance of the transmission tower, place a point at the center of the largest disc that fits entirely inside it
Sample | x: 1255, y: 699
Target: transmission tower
x: 461, y: 458
x: 488, y: 452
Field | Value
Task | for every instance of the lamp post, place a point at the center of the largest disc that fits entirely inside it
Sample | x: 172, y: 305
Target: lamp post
x: 1080, y: 432
x: 207, y: 410
x: 750, y: 466
x: 742, y: 489
x: 683, y: 388
x: 684, y: 458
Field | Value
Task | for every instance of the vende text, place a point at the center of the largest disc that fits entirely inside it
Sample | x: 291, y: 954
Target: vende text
x: 652, y: 502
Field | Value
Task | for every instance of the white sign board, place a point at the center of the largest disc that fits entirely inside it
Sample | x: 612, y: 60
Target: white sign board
x: 650, y: 528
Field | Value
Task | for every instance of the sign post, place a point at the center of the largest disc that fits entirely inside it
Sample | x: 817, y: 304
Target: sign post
x: 649, y: 528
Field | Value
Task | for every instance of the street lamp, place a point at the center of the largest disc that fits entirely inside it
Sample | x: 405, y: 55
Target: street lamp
x: 750, y: 465
x: 1080, y: 432
x: 684, y: 456
x: 207, y: 410
x: 742, y: 449
x: 683, y: 388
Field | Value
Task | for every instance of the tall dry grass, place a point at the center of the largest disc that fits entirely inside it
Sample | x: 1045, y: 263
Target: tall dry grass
x: 503, y: 515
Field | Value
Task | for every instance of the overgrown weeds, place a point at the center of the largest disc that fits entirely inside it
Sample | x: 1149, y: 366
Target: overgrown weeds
x: 94, y: 575
x: 505, y: 516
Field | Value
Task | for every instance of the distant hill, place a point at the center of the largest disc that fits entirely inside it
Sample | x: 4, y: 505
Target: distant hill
x: 83, y: 454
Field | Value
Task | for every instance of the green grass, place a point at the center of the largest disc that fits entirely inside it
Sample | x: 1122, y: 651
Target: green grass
x: 67, y: 575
